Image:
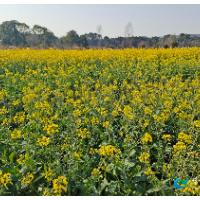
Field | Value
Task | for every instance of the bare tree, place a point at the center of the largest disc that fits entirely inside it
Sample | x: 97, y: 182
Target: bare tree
x: 99, y: 32
x: 169, y: 41
x: 99, y: 29
x: 128, y: 34
x: 128, y: 30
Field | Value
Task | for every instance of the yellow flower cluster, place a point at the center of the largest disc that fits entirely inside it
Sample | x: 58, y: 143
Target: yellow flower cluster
x: 106, y: 124
x: 44, y: 106
x: 44, y: 141
x: 4, y: 179
x: 6, y: 121
x: 166, y: 167
x: 149, y: 171
x: 94, y: 120
x: 184, y: 138
x: 93, y: 151
x: 105, y: 168
x: 197, y: 123
x: 109, y: 151
x: 102, y: 111
x: 3, y: 110
x: 19, y: 117
x: 147, y: 111
x: 96, y: 173
x: 166, y: 137
x: 48, y: 175
x: 22, y: 158
x: 192, y: 188
x: 144, y: 157
x: 15, y: 103
x: 51, y: 128
x: 83, y: 133
x: 178, y: 147
x: 193, y: 154
x: 157, y: 118
x: 28, y: 178
x: 146, y: 138
x: 3, y: 93
x: 16, y: 134
x: 60, y: 184
x: 78, y: 155
x: 128, y: 111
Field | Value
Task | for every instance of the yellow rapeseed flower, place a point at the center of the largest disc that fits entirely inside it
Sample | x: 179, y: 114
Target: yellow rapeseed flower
x: 60, y: 184
x: 28, y: 178
x: 5, y: 179
x: 166, y: 137
x: 146, y: 138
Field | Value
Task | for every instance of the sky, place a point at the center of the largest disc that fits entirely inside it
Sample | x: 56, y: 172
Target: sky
x: 147, y: 20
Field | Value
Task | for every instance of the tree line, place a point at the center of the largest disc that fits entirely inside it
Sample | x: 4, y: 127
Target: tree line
x: 14, y: 33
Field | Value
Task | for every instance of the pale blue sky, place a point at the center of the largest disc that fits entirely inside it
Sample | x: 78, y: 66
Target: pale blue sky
x: 147, y: 20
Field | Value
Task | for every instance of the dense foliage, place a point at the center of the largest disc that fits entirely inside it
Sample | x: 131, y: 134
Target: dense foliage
x: 99, y: 122
x: 17, y: 34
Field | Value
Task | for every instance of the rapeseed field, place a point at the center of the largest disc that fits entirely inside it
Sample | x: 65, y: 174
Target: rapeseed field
x: 99, y: 122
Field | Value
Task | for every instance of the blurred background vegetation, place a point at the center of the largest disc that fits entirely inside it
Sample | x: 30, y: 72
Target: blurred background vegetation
x: 14, y: 34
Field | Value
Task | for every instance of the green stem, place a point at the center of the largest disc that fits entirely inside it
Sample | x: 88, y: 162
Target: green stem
x: 34, y: 189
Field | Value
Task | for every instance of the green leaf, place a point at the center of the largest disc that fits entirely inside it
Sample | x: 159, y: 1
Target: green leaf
x: 24, y: 143
x: 103, y: 135
x: 139, y: 179
x: 153, y: 190
x: 23, y: 170
x: 4, y: 152
x: 140, y: 172
x: 168, y: 188
x: 45, y: 167
x: 132, y: 152
x: 38, y: 178
x: 95, y: 192
x: 128, y: 164
x: 104, y: 184
x: 140, y: 188
x: 13, y: 178
x: 11, y: 156
x: 112, y: 186
x: 80, y: 186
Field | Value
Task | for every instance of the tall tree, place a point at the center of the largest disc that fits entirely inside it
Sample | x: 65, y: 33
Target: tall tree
x: 128, y: 30
x: 99, y: 32
x: 40, y: 31
x: 24, y: 30
x: 128, y: 34
x: 45, y: 37
x: 83, y: 41
x: 106, y: 40
x: 71, y: 39
x: 92, y: 38
x: 9, y: 34
x: 154, y: 41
